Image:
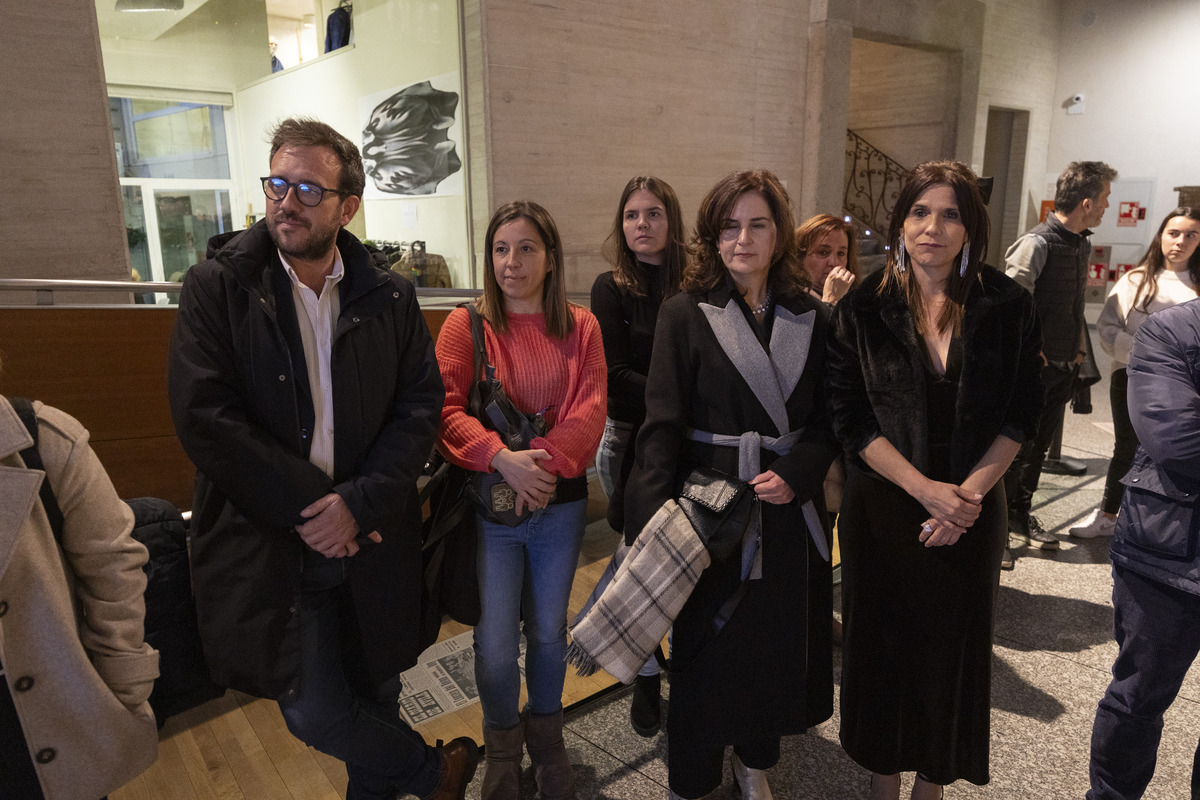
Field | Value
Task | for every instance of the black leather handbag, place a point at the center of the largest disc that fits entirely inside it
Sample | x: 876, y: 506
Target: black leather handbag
x: 719, y: 508
x: 491, y: 495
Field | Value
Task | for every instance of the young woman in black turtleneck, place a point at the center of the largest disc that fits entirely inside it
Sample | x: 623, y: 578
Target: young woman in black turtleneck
x: 646, y: 248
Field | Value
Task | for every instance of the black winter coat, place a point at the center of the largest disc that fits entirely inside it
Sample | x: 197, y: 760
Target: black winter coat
x: 240, y: 399
x: 769, y: 671
x: 876, y: 375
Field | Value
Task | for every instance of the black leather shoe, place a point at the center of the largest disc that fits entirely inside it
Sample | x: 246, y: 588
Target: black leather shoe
x: 645, y: 714
x: 462, y: 757
x: 1030, y: 531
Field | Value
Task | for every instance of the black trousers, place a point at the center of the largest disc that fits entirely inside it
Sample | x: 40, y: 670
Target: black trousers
x: 1125, y: 446
x: 1021, y: 480
x: 1158, y: 638
x: 695, y: 769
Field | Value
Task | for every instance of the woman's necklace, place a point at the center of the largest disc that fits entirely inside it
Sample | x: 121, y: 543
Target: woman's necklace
x: 766, y: 303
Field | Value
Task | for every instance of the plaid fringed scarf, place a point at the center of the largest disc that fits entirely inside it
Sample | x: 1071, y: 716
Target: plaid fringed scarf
x: 629, y: 620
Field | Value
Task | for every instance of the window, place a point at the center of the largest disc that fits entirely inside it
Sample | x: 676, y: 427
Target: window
x: 176, y: 186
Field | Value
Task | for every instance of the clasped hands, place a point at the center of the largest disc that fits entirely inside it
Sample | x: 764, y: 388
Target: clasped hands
x: 523, y: 471
x: 331, y: 529
x: 952, y: 510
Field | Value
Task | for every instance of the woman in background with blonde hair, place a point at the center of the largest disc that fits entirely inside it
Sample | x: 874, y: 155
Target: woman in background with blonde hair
x: 829, y: 254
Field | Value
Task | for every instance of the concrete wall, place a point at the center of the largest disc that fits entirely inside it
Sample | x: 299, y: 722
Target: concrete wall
x: 61, y: 204
x: 581, y: 96
x: 1137, y: 65
x: 903, y: 100
x: 908, y: 69
x: 1019, y: 68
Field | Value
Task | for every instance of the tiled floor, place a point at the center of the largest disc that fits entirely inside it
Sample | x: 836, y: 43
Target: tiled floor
x: 1053, y: 650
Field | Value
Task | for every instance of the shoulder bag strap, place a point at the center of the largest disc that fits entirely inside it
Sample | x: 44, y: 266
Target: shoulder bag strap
x: 33, y: 460
x: 483, y: 369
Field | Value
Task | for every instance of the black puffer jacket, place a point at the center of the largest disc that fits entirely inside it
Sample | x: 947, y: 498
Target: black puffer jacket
x: 1056, y: 260
x: 183, y: 678
x: 240, y: 399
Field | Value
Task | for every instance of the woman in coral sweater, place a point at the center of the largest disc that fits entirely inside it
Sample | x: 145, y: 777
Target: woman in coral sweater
x: 549, y: 357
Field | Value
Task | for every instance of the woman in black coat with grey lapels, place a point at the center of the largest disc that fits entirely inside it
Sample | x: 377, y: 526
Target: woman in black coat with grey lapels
x: 739, y: 354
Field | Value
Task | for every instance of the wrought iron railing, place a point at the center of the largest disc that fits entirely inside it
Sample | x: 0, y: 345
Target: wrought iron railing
x: 873, y: 181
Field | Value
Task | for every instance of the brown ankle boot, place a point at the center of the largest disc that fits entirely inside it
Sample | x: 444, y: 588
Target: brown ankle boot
x: 502, y: 774
x: 548, y: 752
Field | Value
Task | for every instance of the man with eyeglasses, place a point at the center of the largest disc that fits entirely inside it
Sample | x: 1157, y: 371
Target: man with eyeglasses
x: 303, y: 386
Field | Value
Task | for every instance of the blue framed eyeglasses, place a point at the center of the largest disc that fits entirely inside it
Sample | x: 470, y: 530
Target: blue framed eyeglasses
x: 309, y: 194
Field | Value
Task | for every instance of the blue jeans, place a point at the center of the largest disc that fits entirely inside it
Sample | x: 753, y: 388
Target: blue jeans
x: 525, y: 572
x: 383, y: 755
x: 617, y: 438
x: 1158, y: 634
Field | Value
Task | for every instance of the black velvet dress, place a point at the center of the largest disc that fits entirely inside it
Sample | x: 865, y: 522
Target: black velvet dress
x: 916, y: 674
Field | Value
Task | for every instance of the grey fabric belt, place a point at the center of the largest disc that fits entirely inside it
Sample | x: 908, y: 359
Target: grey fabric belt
x: 750, y: 446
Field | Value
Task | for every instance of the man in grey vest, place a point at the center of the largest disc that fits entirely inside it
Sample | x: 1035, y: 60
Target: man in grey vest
x: 1051, y: 261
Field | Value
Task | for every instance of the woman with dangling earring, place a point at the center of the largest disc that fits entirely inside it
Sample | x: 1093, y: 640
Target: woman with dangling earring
x: 933, y: 383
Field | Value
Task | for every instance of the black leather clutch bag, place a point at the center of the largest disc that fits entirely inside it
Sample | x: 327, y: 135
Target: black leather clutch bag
x: 719, y: 508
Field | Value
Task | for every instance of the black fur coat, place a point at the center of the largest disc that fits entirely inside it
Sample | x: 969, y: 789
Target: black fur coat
x: 876, y: 374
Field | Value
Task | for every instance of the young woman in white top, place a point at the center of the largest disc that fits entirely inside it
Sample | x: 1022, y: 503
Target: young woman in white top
x: 1168, y: 275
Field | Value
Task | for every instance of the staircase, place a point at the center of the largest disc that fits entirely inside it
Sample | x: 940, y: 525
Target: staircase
x: 873, y: 181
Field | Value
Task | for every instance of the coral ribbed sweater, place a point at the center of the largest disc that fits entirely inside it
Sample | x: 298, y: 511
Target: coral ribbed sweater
x: 567, y: 376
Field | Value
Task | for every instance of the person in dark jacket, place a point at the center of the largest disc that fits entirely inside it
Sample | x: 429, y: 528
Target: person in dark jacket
x: 1155, y: 555
x: 1051, y: 262
x: 646, y: 248
x: 735, y: 385
x: 303, y: 386
x: 933, y: 384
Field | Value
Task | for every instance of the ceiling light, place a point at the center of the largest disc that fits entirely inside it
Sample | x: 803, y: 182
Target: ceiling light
x: 149, y: 5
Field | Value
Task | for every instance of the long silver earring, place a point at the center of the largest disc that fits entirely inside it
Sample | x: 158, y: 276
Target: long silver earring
x: 966, y: 262
x: 900, y: 255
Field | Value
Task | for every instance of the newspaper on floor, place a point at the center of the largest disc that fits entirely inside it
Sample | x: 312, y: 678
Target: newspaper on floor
x: 443, y: 680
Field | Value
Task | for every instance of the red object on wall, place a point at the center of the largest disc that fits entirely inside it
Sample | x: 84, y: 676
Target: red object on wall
x: 1130, y: 214
x: 1098, y: 274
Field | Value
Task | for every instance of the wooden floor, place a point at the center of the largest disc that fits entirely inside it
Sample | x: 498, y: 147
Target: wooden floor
x: 238, y: 748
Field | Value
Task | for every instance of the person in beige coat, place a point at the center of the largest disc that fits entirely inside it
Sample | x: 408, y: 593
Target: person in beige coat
x: 75, y: 667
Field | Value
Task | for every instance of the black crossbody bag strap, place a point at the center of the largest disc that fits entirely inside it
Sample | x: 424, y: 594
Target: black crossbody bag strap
x: 33, y: 460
